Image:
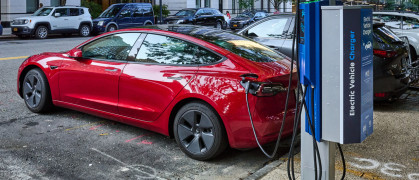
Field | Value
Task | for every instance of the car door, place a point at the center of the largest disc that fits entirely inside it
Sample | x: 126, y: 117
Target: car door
x: 92, y: 81
x: 60, y: 22
x: 200, y: 17
x: 138, y: 16
x: 154, y: 76
x: 74, y: 18
x: 269, y: 32
x: 124, y: 19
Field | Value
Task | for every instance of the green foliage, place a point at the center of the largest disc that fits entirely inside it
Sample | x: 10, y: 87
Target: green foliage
x: 94, y: 8
x: 247, y: 4
x: 156, y: 10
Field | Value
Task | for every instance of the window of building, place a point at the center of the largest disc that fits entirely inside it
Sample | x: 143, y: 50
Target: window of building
x: 207, y: 3
x: 198, y: 3
x: 114, y: 47
x: 32, y: 6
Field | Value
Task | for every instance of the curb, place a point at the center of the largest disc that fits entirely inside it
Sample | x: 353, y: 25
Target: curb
x: 266, y: 169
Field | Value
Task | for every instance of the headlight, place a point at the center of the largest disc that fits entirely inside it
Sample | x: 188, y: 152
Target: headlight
x: 180, y: 21
x: 26, y: 21
x: 100, y: 23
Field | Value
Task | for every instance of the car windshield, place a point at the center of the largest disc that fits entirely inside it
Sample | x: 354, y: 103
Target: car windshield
x: 185, y: 13
x: 42, y: 12
x: 110, y: 12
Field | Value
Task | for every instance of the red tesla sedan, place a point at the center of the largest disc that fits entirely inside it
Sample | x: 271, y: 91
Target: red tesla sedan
x: 180, y: 81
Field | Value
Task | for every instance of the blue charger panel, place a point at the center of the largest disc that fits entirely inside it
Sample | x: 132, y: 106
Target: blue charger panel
x: 309, y: 44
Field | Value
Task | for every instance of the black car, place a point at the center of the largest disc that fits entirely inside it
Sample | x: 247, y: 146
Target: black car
x: 391, y: 79
x: 245, y: 19
x: 198, y: 16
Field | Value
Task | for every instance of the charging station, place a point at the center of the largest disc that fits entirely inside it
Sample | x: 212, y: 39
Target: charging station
x: 335, y: 56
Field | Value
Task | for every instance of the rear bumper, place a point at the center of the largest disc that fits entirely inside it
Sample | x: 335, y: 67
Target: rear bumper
x: 22, y: 30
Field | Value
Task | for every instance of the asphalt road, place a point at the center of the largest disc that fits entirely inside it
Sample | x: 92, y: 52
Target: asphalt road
x: 66, y: 144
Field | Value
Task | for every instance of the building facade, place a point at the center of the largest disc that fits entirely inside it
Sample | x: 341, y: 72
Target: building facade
x: 10, y: 9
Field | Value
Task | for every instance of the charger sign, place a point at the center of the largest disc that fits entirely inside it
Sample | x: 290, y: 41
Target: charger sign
x: 358, y: 75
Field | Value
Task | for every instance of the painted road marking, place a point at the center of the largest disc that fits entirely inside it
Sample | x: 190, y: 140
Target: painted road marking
x: 142, y: 169
x: 10, y: 58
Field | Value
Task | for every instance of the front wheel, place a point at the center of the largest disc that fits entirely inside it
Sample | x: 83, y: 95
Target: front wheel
x: 199, y: 132
x: 36, y: 91
x: 84, y: 31
x: 111, y: 28
x: 219, y: 25
x: 41, y: 32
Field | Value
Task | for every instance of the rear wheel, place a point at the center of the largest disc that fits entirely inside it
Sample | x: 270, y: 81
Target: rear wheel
x: 36, y: 91
x: 199, y: 132
x: 84, y: 30
x: 219, y: 25
x: 41, y: 32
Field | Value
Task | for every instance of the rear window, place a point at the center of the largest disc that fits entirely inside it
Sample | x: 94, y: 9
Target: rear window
x: 383, y: 34
x: 239, y: 45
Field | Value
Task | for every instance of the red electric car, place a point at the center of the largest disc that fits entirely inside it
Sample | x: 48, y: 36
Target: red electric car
x: 178, y: 80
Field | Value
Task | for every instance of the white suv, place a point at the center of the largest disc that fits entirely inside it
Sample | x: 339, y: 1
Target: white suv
x: 403, y: 24
x: 46, y: 20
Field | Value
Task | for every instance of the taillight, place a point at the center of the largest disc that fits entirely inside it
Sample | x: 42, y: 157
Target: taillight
x: 384, y: 54
x: 380, y: 94
x: 269, y: 89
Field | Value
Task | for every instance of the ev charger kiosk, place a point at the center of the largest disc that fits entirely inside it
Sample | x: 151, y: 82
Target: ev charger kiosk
x: 335, y: 59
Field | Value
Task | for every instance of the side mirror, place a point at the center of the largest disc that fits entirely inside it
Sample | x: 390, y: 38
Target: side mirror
x: 75, y: 53
x: 197, y: 16
x: 57, y: 14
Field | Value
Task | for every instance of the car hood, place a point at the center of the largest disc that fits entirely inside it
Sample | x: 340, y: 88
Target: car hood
x: 101, y: 19
x: 30, y: 17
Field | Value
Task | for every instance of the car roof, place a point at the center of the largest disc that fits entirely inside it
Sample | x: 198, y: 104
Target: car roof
x: 398, y: 14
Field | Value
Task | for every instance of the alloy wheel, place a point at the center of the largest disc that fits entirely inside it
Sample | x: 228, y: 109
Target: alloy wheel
x: 196, y: 132
x: 42, y: 32
x: 85, y: 31
x: 32, y: 90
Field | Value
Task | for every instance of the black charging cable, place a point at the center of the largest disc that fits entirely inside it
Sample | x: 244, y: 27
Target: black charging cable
x: 343, y: 161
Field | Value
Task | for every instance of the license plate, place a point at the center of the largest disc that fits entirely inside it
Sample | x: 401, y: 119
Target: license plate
x: 14, y: 29
x: 235, y: 25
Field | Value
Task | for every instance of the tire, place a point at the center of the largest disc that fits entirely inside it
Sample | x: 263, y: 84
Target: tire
x: 413, y: 54
x: 199, y: 132
x: 219, y: 25
x: 41, y: 32
x: 111, y: 28
x: 84, y: 30
x: 36, y: 92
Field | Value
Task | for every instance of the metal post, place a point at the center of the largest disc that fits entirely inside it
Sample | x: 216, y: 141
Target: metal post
x: 327, y: 154
x: 161, y: 12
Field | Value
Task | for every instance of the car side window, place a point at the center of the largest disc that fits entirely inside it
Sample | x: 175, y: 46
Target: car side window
x: 207, y: 12
x: 148, y: 11
x: 81, y: 11
x: 113, y: 47
x: 125, y: 13
x: 138, y: 12
x: 62, y: 11
x: 270, y: 28
x: 166, y: 50
x: 206, y: 57
x: 200, y: 12
x: 74, y: 12
x: 392, y: 21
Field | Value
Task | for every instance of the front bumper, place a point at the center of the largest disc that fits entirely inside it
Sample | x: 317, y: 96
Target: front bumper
x: 99, y: 29
x: 236, y: 25
x: 22, y: 30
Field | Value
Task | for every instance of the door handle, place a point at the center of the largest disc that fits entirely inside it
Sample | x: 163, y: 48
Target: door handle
x: 111, y: 70
x: 175, y: 78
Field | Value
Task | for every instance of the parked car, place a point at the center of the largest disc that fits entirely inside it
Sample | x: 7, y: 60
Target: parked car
x: 198, y: 16
x: 54, y: 20
x: 403, y: 24
x: 124, y: 15
x: 177, y: 80
x: 246, y: 18
x: 390, y: 52
x: 1, y: 29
